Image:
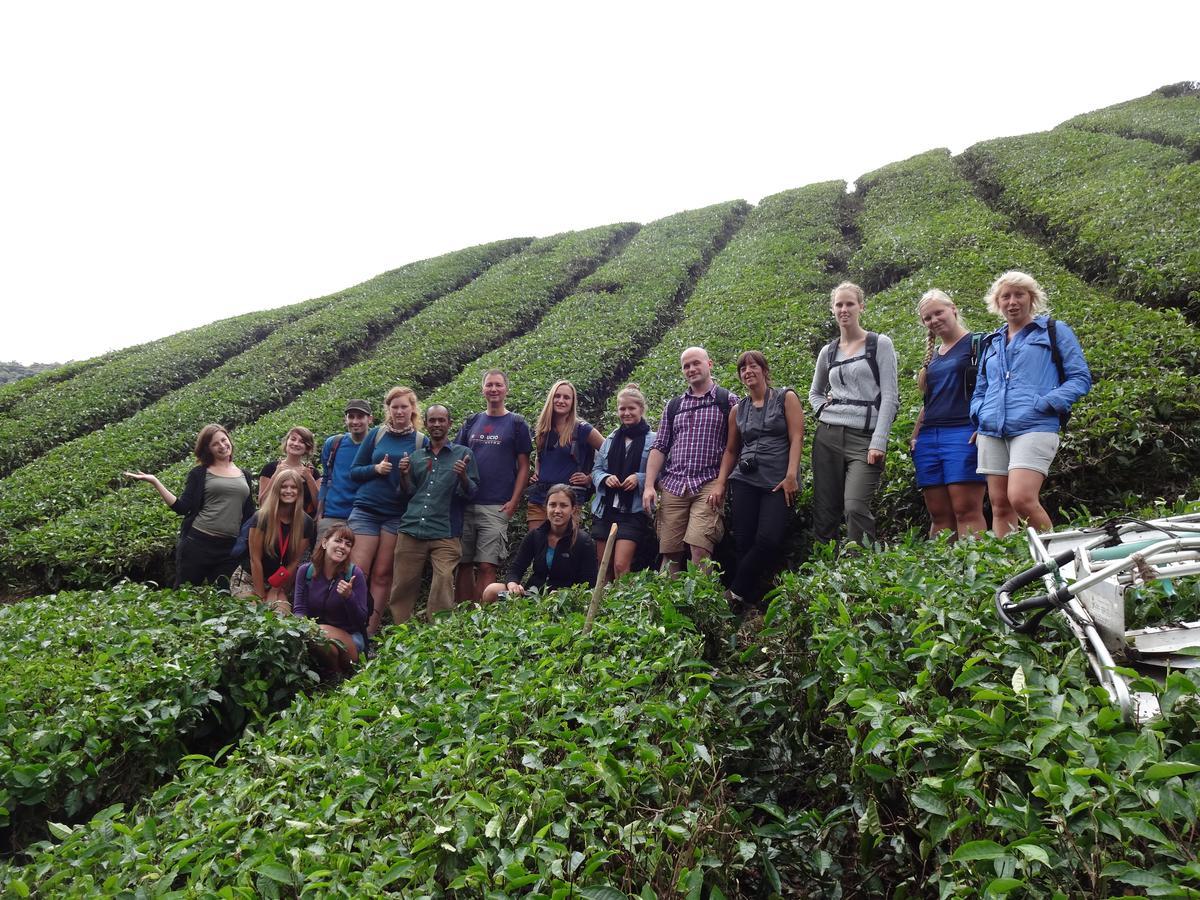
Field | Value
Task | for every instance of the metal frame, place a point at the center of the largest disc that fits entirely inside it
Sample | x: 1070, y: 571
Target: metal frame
x: 1090, y: 590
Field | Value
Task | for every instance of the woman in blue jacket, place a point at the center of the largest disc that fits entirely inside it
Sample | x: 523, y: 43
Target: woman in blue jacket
x: 1022, y: 399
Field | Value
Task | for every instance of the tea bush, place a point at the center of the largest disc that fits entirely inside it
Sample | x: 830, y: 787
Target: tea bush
x: 291, y: 360
x: 130, y: 532
x: 1116, y: 210
x: 767, y: 290
x: 107, y: 393
x: 1170, y: 115
x: 1136, y: 432
x: 594, y: 337
x: 102, y: 693
x: 492, y: 753
x: 948, y: 757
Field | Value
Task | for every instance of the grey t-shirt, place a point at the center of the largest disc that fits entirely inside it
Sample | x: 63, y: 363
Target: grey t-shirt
x: 224, y: 496
x: 764, y: 435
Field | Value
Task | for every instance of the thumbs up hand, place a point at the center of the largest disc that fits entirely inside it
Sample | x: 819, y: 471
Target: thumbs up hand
x: 384, y: 466
x: 404, y: 464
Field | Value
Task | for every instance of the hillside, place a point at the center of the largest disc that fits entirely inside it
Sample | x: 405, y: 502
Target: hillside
x: 870, y: 739
x: 14, y: 371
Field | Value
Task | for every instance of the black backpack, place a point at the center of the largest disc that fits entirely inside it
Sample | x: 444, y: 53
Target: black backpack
x: 869, y: 353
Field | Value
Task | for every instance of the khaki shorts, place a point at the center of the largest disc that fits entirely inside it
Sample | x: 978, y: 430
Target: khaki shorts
x: 688, y: 519
x: 484, y: 534
x: 1033, y: 450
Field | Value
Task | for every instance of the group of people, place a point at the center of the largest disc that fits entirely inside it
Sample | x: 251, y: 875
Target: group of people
x: 337, y: 536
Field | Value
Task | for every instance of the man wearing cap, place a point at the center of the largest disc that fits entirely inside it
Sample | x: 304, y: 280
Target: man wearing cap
x: 336, y: 498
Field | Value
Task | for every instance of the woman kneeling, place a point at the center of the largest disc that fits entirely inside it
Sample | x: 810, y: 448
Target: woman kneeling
x: 333, y: 591
x: 561, y: 554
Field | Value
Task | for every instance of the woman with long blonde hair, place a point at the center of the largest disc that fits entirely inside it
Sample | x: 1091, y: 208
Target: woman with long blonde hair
x: 281, y: 534
x: 943, y: 440
x: 380, y: 503
x: 564, y: 448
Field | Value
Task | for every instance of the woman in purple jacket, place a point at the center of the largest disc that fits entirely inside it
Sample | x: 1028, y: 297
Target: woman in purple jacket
x: 332, y: 590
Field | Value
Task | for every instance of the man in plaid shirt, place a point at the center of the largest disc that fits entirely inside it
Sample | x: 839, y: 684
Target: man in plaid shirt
x: 686, y: 458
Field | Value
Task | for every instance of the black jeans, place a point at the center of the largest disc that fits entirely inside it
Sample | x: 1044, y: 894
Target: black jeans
x: 204, y: 559
x: 760, y: 523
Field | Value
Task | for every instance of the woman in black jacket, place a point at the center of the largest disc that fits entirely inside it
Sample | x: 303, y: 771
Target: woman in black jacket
x: 561, y: 554
x: 216, y: 500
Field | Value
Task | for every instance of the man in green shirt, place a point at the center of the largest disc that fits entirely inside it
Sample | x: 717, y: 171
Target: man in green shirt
x: 439, y: 479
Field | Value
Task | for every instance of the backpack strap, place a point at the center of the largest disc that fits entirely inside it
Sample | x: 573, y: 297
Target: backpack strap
x: 724, y: 403
x: 321, y: 494
x: 870, y: 351
x: 1059, y: 367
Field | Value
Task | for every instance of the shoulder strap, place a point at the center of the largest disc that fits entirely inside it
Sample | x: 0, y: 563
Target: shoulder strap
x: 333, y: 451
x: 1055, y: 353
x: 308, y: 572
x: 831, y: 351
x: 672, y: 411
x: 870, y: 353
x: 376, y: 436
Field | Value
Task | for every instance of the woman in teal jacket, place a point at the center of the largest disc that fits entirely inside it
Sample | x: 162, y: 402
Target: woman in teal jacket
x: 1031, y: 371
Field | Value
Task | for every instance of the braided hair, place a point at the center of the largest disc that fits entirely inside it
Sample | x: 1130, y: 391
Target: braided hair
x: 930, y: 296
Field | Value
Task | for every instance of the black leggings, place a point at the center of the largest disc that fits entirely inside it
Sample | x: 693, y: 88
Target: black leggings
x: 204, y: 559
x: 760, y: 523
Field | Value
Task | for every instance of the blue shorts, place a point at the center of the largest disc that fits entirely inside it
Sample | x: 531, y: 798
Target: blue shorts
x: 360, y: 641
x: 363, y: 521
x: 944, y: 455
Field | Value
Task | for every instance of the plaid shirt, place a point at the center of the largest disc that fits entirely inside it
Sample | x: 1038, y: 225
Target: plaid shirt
x: 697, y: 443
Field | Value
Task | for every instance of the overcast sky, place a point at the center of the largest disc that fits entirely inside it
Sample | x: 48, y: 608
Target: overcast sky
x: 166, y: 164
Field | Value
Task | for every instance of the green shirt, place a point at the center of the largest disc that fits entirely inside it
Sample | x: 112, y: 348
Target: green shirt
x: 436, y: 494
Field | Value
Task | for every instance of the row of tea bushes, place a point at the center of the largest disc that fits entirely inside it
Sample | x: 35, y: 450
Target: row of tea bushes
x: 495, y: 752
x: 130, y: 532
x: 1170, y: 115
x: 289, y: 361
x: 102, y: 693
x: 1116, y: 210
x: 108, y: 392
x: 594, y: 337
x: 914, y: 747
x: 923, y: 227
x: 767, y: 290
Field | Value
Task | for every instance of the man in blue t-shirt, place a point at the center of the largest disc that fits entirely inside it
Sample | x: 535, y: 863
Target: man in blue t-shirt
x: 336, y: 498
x: 501, y: 443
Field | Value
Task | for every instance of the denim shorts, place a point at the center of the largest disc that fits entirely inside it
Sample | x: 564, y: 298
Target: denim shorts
x: 363, y: 521
x: 945, y: 455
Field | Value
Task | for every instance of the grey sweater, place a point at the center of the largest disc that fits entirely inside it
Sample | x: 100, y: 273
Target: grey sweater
x: 854, y: 381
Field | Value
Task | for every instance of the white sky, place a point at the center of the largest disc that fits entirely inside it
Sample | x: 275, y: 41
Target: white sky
x: 163, y: 164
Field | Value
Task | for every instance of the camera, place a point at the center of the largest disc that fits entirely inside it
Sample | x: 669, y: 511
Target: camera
x: 748, y: 464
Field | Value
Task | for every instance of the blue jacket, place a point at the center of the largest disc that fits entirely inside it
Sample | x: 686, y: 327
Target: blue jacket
x: 1018, y: 390
x: 600, y: 472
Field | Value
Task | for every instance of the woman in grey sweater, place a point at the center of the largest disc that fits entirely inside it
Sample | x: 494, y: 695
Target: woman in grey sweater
x: 854, y: 396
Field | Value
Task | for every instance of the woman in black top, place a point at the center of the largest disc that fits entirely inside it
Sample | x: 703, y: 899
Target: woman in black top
x: 216, y: 500
x: 561, y: 554
x: 762, y: 466
x: 297, y: 449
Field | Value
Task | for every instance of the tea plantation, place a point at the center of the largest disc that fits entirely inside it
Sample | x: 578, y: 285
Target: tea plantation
x: 877, y: 733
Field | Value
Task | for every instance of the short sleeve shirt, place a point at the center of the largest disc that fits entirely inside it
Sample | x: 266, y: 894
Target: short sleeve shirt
x: 496, y: 441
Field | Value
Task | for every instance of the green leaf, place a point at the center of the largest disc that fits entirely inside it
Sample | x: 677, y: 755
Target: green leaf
x: 601, y: 892
x: 276, y: 872
x: 1002, y: 886
x: 978, y: 850
x: 1162, y: 770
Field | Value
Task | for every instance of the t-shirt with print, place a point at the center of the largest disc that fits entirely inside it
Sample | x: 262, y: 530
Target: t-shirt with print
x: 496, y: 441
